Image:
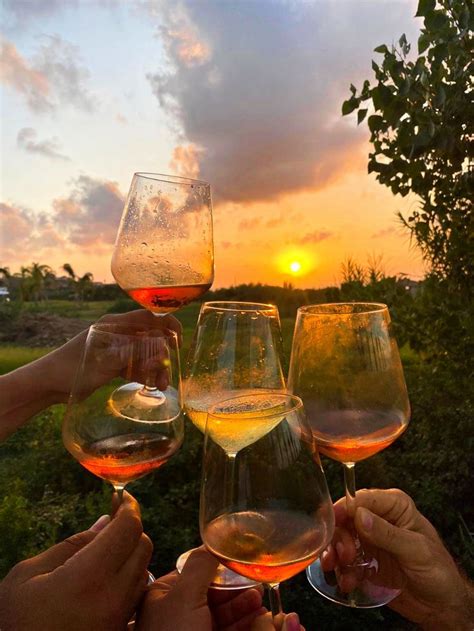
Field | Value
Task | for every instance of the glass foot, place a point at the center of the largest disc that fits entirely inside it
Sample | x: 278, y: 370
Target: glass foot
x: 365, y: 596
x: 224, y: 578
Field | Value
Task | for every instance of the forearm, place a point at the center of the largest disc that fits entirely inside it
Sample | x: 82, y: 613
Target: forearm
x: 23, y: 393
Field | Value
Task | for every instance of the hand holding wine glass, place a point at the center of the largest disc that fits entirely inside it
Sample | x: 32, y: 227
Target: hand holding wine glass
x: 163, y: 255
x: 411, y: 557
x: 346, y: 367
x: 123, y: 431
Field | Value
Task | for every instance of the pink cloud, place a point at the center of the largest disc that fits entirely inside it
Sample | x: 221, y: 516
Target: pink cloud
x: 185, y: 161
x: 19, y: 75
x: 316, y: 236
x: 54, y: 77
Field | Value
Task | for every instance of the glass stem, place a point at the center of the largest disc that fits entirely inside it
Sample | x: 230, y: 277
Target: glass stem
x: 229, y: 499
x: 119, y: 488
x: 275, y: 600
x: 350, y: 486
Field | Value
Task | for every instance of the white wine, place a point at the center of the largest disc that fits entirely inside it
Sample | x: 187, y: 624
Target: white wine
x: 234, y: 427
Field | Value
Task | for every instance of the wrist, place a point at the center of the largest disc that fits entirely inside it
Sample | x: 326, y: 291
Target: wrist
x: 458, y: 614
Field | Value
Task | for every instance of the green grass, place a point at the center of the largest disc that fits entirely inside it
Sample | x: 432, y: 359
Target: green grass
x: 12, y: 357
x: 71, y: 309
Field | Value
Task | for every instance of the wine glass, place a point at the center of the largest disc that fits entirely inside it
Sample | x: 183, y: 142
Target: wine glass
x: 265, y: 514
x: 236, y: 349
x: 346, y: 367
x: 163, y: 255
x: 112, y: 428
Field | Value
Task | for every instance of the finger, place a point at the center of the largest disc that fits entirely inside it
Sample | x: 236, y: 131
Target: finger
x: 114, y: 545
x: 165, y: 583
x: 405, y: 545
x: 133, y: 571
x: 196, y: 575
x: 291, y: 623
x: 57, y: 555
x: 343, y: 542
x: 263, y: 623
x: 245, y: 623
x: 216, y: 597
x: 329, y: 559
x: 241, y: 605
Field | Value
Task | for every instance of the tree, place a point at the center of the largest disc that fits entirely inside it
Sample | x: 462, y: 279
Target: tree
x: 422, y: 130
x: 82, y: 285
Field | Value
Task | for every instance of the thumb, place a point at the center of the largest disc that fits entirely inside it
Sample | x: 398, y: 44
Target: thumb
x: 380, y: 533
x: 196, y: 576
x: 57, y: 555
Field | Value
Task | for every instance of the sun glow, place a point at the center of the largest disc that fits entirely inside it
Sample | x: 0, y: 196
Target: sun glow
x: 295, y: 267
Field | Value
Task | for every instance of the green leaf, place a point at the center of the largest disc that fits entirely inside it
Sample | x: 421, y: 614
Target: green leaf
x: 436, y: 21
x: 424, y: 7
x: 361, y: 114
x: 375, y: 123
x: 353, y: 89
x: 349, y: 106
x: 402, y: 42
x: 381, y: 49
x: 423, y: 42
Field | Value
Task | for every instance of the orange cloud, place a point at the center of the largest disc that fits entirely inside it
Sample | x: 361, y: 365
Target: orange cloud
x: 185, y: 161
x: 16, y: 73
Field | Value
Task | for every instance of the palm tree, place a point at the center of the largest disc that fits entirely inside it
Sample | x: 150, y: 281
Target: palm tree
x: 81, y: 284
x: 39, y: 273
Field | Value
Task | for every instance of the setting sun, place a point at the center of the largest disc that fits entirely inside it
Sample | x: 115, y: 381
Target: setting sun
x: 295, y: 267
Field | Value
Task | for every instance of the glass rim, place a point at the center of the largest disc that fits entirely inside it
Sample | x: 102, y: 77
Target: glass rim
x: 298, y: 403
x: 224, y: 305
x: 325, y: 308
x: 131, y: 330
x: 170, y: 179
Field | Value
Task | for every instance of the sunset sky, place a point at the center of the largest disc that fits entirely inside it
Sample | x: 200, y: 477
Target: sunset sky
x: 245, y: 95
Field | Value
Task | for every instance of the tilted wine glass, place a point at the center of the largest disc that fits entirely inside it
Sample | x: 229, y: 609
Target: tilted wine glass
x: 163, y: 255
x: 236, y: 349
x: 346, y: 367
x: 104, y: 428
x: 265, y: 514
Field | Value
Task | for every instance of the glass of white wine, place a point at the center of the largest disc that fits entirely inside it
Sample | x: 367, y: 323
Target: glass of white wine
x: 236, y: 350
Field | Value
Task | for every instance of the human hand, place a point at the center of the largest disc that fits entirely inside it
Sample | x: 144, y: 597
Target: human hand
x: 284, y: 622
x: 411, y: 557
x: 91, y: 581
x: 183, y: 602
x: 59, y: 367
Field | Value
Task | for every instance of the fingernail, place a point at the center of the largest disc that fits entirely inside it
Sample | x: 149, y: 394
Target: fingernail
x: 292, y: 622
x: 100, y: 524
x: 366, y: 519
x: 340, y: 549
x: 324, y: 555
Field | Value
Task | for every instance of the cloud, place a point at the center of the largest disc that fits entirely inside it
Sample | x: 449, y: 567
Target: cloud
x: 262, y: 94
x: 17, y: 14
x: 185, y: 161
x: 91, y: 213
x: 53, y: 78
x: 316, y: 236
x: 23, y: 231
x: 383, y: 232
x: 84, y: 221
x: 26, y: 139
x: 32, y: 84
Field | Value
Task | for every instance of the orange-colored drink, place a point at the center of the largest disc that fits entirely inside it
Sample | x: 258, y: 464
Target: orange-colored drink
x: 167, y: 299
x: 267, y: 546
x: 125, y: 457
